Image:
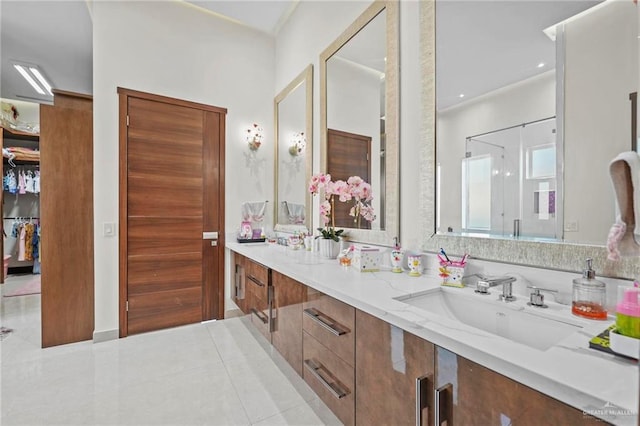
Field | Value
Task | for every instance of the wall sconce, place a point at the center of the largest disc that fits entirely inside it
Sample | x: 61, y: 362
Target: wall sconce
x: 298, y: 144
x: 254, y: 136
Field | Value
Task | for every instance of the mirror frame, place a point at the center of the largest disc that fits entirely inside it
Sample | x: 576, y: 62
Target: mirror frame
x: 306, y: 76
x: 392, y: 114
x: 551, y: 255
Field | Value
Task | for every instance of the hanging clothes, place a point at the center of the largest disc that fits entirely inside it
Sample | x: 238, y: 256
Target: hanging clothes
x: 21, y: 244
x: 22, y: 186
x: 28, y: 241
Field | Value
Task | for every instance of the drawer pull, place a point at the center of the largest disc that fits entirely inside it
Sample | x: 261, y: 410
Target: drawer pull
x: 331, y: 384
x: 261, y: 316
x: 255, y: 280
x: 443, y: 407
x: 272, y: 319
x: 325, y: 322
x: 422, y: 386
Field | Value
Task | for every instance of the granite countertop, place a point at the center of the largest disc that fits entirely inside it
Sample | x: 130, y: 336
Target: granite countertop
x: 600, y: 384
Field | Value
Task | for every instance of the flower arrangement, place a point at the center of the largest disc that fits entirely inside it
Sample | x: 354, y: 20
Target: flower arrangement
x: 354, y: 189
x: 254, y: 137
x: 298, y: 144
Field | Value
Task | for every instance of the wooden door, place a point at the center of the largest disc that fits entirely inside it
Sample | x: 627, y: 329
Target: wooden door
x: 389, y: 363
x: 350, y: 156
x: 171, y: 193
x: 66, y: 216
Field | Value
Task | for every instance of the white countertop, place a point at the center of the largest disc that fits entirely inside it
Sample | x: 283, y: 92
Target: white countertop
x: 597, y: 383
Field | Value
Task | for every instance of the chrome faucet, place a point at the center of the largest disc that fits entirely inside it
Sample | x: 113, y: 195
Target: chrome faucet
x: 484, y: 284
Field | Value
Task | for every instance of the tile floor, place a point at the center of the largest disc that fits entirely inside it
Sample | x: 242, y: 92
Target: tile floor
x: 216, y: 373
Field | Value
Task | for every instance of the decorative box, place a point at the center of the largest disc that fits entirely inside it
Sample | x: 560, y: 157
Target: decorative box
x: 624, y: 345
x: 366, y: 258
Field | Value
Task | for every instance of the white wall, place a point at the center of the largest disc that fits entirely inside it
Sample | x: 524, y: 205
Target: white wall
x: 530, y: 100
x: 174, y: 49
x: 315, y: 25
x: 598, y: 81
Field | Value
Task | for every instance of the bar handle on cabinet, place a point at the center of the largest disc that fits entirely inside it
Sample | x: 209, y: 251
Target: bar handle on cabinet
x: 272, y: 323
x: 332, y: 386
x: 325, y: 322
x: 239, y: 282
x: 260, y: 316
x: 443, y: 407
x: 422, y: 399
x: 255, y: 280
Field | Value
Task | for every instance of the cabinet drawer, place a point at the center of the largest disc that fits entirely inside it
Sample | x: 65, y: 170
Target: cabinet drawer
x: 330, y: 377
x: 260, y: 312
x: 257, y: 273
x: 331, y: 322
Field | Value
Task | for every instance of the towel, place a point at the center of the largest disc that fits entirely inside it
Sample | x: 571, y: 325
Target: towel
x: 295, y: 212
x: 622, y: 241
x: 254, y: 211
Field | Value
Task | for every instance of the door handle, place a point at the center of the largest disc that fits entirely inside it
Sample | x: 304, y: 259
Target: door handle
x: 422, y: 386
x: 443, y: 407
x: 210, y: 235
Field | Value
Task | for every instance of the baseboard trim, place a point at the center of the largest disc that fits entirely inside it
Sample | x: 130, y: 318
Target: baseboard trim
x: 104, y: 336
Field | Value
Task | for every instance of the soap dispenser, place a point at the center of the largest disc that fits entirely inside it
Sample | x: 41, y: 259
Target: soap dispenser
x: 589, y: 295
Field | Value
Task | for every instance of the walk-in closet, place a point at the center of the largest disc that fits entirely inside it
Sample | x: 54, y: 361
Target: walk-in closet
x: 21, y: 184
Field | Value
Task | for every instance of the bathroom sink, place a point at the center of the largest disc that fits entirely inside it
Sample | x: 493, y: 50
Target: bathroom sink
x: 508, y: 320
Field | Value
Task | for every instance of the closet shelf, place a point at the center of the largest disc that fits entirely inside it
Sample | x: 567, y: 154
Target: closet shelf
x: 15, y: 134
x: 22, y: 162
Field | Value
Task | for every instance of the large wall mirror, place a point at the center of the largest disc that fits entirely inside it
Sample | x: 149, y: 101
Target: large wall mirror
x: 293, y: 109
x: 531, y: 101
x: 359, y: 118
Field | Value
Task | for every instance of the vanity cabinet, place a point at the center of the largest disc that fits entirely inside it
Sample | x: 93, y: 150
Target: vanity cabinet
x: 394, y: 375
x: 368, y: 371
x: 329, y: 352
x: 259, y: 302
x: 288, y: 297
x: 468, y: 393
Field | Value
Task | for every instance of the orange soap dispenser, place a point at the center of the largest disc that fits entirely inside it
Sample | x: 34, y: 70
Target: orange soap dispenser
x: 589, y: 295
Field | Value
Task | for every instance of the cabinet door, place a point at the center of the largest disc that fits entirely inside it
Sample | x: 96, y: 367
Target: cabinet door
x: 394, y: 375
x: 472, y: 394
x: 240, y: 293
x: 288, y: 296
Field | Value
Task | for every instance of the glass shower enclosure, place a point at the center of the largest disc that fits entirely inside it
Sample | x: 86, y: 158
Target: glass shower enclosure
x: 510, y: 184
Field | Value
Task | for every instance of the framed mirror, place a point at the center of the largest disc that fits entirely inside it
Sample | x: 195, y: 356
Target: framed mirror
x: 589, y: 104
x: 359, y: 112
x: 293, y: 110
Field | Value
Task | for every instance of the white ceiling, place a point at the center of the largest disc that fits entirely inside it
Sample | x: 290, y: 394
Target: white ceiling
x: 485, y: 45
x: 481, y: 45
x: 264, y: 15
x: 56, y: 35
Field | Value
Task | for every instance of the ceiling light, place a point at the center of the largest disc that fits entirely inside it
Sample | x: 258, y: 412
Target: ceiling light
x: 35, y: 71
x: 29, y: 79
x: 461, y: 95
x: 541, y: 64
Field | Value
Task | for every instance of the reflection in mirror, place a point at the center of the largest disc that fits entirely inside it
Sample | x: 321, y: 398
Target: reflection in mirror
x: 356, y: 114
x: 294, y: 148
x: 528, y: 120
x: 359, y: 118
